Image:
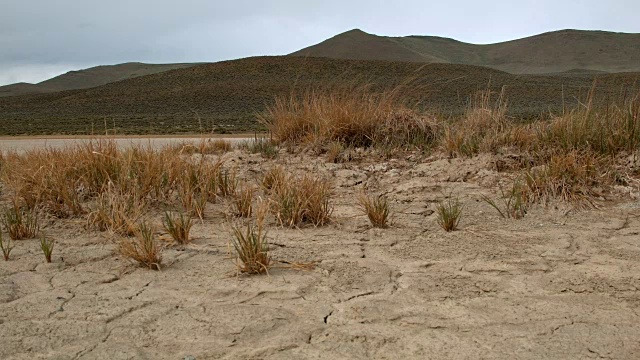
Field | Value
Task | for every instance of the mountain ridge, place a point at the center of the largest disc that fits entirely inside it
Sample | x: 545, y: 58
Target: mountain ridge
x: 89, y: 77
x: 549, y: 52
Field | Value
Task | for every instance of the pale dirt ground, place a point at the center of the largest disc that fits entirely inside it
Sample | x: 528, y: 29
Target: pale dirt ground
x: 557, y: 284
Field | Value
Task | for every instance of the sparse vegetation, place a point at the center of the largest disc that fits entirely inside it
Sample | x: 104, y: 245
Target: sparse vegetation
x: 273, y: 178
x: 6, y: 247
x: 263, y: 146
x: 449, y: 213
x: 353, y: 118
x: 376, y: 208
x: 301, y: 200
x: 514, y: 203
x: 204, y: 147
x: 46, y: 245
x: 178, y: 226
x: 334, y: 150
x: 242, y: 201
x: 144, y: 248
x: 117, y: 211
x: 227, y: 183
x: 576, y: 177
x: 20, y: 224
x: 251, y: 245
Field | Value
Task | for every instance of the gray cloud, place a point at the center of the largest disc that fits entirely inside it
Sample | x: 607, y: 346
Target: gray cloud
x: 42, y: 38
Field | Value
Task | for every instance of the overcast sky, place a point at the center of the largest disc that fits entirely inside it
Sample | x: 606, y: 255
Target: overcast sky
x: 40, y: 39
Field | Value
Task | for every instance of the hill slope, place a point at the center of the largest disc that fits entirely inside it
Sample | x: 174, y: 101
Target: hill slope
x: 89, y: 78
x: 227, y: 95
x: 552, y: 52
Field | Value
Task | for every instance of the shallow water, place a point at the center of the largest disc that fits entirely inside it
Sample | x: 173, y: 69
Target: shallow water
x: 22, y: 144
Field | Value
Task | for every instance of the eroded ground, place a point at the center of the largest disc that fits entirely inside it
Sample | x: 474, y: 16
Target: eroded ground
x: 557, y: 284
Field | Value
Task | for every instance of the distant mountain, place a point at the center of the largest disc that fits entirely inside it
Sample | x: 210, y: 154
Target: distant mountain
x: 226, y: 96
x: 552, y: 52
x: 89, y: 78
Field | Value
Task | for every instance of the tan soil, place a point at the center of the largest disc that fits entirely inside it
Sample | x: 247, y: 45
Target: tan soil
x: 557, y: 284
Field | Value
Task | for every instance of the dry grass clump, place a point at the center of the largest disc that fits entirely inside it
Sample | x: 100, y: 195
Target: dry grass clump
x: 199, y: 183
x: 117, y: 212
x: 266, y: 147
x: 449, y: 213
x: 46, y: 245
x: 144, y: 248
x: 251, y: 245
x: 19, y: 223
x: 6, y: 247
x: 227, y: 183
x: 304, y: 199
x: 273, y: 178
x: 178, y: 226
x: 204, y: 147
x: 352, y: 117
x: 482, y: 128
x: 376, y: 208
x: 576, y: 177
x: 334, y: 150
x: 242, y: 201
x: 605, y: 131
x: 514, y: 202
x: 60, y: 181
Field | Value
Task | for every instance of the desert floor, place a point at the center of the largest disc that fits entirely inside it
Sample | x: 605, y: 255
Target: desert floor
x: 559, y: 284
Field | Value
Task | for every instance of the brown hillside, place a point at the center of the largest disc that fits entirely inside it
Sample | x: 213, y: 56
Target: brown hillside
x: 227, y: 95
x: 552, y: 52
x: 88, y: 78
x: 22, y: 89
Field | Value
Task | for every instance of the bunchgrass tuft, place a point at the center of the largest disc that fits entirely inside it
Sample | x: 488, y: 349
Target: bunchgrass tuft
x: 449, y: 213
x: 227, y: 183
x: 514, y: 203
x: 353, y: 117
x: 117, y: 212
x: 6, y: 247
x: 273, y: 178
x: 251, y: 245
x: 144, y: 248
x: 304, y: 199
x: 20, y: 224
x: 242, y: 201
x: 46, y: 245
x: 376, y: 208
x: 266, y: 147
x: 178, y: 226
x: 574, y: 177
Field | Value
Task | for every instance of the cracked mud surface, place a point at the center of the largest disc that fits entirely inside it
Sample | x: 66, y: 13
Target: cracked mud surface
x: 555, y: 284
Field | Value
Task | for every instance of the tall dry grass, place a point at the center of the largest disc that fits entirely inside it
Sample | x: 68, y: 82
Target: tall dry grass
x: 110, y: 186
x: 353, y: 117
x: 296, y: 200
